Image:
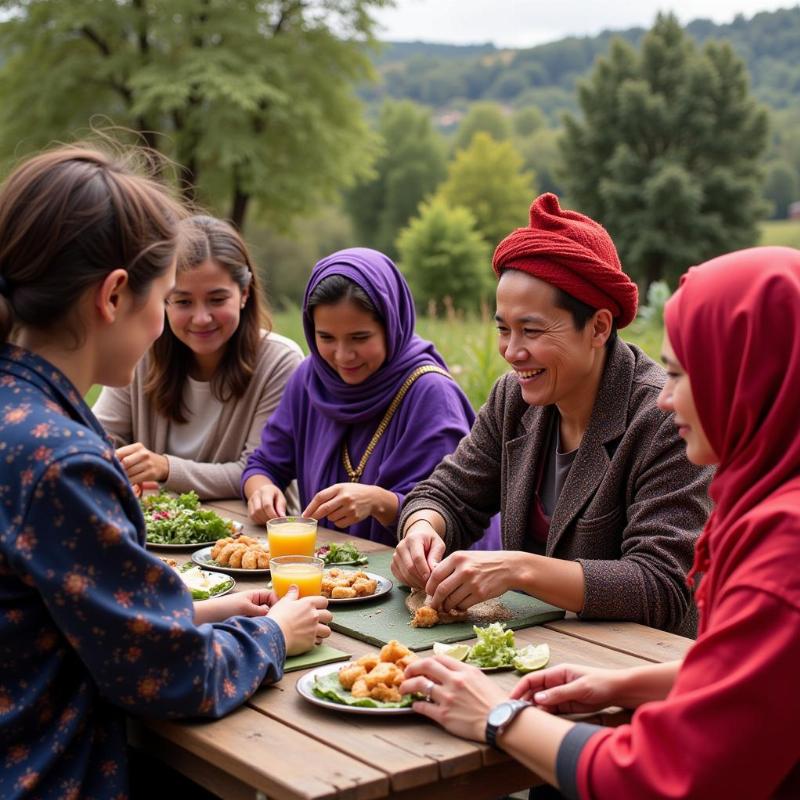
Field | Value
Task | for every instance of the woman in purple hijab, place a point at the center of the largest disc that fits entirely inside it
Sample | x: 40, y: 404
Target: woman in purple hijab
x: 358, y: 316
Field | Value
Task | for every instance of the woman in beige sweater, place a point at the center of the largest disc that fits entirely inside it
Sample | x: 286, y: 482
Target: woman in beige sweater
x: 199, y: 399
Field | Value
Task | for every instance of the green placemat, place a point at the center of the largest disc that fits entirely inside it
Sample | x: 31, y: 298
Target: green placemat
x: 321, y: 654
x: 388, y: 618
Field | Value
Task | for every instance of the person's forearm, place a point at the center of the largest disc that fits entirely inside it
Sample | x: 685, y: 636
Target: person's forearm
x: 638, y: 685
x: 385, y: 507
x: 533, y: 739
x: 253, y: 483
x: 553, y: 580
x: 433, y: 518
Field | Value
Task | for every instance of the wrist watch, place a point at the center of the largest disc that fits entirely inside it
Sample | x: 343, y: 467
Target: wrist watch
x: 500, y: 717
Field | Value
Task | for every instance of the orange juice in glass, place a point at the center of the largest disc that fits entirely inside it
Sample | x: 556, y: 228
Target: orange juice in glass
x: 291, y: 536
x: 304, y: 572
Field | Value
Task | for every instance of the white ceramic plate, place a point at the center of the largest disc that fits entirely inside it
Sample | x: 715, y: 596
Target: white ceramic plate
x: 203, y: 559
x: 236, y: 526
x: 228, y: 589
x: 305, y: 689
x: 384, y: 587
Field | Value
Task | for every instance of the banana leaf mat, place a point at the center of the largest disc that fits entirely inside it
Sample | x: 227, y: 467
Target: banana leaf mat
x: 388, y: 618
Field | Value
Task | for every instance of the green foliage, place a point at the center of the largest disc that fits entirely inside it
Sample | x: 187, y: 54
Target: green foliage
x: 667, y: 152
x: 253, y: 100
x: 409, y: 168
x: 781, y: 187
x: 527, y: 120
x: 443, y: 256
x: 482, y: 118
x: 784, y: 233
x: 488, y: 179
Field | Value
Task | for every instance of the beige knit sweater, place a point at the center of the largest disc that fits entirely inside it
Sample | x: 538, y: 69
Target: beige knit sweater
x: 216, y: 470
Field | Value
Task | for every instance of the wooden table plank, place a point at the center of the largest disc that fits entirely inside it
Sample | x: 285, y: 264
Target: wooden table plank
x: 637, y: 640
x: 273, y: 758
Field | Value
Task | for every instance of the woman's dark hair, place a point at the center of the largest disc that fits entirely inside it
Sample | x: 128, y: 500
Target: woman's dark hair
x: 581, y: 312
x: 334, y: 289
x: 208, y: 239
x: 70, y: 216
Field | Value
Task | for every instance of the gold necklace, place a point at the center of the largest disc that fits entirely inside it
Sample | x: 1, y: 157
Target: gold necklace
x: 355, y: 474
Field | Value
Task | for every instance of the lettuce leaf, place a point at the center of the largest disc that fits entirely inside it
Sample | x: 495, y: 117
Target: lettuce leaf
x: 328, y: 686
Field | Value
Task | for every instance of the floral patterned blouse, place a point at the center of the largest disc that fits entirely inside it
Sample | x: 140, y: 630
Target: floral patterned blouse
x: 92, y: 626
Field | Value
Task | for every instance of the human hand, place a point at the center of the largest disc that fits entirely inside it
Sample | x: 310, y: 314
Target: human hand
x: 460, y: 695
x: 417, y: 554
x: 255, y: 603
x: 142, y: 464
x: 266, y: 502
x: 343, y: 504
x: 467, y: 577
x: 303, y: 620
x: 570, y: 689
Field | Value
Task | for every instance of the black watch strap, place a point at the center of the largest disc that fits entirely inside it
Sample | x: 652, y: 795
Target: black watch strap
x: 508, y: 710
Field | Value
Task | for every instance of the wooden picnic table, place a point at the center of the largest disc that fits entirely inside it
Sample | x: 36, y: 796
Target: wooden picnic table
x: 279, y: 746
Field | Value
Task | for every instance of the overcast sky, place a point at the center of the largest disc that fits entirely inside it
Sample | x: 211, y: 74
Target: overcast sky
x: 524, y: 23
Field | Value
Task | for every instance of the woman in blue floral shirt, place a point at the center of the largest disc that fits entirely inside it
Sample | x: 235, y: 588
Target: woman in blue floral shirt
x: 91, y: 625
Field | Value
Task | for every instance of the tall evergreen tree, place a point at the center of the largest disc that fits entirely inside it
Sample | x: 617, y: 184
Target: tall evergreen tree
x: 254, y: 99
x: 667, y: 152
x: 410, y: 166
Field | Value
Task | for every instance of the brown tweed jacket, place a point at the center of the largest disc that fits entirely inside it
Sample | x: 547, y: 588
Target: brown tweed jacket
x: 629, y: 512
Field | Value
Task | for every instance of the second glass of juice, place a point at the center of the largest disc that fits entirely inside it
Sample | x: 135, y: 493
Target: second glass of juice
x: 291, y: 536
x: 302, y: 571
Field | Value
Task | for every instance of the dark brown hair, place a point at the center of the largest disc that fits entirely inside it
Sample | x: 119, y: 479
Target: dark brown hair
x: 208, y: 239
x: 70, y: 216
x: 334, y: 289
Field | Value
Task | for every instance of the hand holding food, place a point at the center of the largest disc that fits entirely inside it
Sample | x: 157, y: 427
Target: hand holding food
x: 240, y: 604
x: 303, y: 621
x: 142, y: 464
x: 344, y: 504
x: 417, y: 554
x: 570, y: 689
x: 459, y: 696
x: 266, y: 502
x: 467, y: 577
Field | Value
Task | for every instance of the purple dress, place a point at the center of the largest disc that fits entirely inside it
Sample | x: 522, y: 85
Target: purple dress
x: 319, y: 412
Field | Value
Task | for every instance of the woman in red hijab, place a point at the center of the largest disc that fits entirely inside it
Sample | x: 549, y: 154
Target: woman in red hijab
x: 723, y: 723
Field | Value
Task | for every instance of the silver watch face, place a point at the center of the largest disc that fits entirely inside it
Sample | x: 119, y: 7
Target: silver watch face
x: 500, y: 714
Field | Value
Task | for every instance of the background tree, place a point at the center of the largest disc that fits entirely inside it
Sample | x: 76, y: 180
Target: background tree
x: 488, y: 178
x: 442, y: 255
x: 253, y: 100
x: 410, y: 166
x: 667, y: 152
x: 781, y: 187
x: 482, y: 118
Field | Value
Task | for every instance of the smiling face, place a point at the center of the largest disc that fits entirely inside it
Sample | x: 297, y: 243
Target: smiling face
x: 554, y: 362
x: 203, y: 312
x: 677, y: 397
x: 349, y: 339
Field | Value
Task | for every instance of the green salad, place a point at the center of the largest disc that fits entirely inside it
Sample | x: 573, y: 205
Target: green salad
x: 328, y: 686
x: 345, y: 553
x: 495, y: 650
x: 181, y: 520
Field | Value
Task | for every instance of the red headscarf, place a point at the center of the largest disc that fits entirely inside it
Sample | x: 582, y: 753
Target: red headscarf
x: 734, y: 325
x: 572, y: 252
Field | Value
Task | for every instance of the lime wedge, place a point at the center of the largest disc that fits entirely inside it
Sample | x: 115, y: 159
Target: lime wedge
x: 532, y: 657
x: 457, y: 651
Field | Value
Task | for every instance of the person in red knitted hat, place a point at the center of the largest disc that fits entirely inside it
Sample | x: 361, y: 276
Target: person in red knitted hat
x: 600, y: 507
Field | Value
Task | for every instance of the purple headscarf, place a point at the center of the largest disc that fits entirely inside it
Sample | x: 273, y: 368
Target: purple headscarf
x: 405, y: 351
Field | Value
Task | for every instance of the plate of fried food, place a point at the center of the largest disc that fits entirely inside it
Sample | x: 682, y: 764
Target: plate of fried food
x: 353, y: 586
x: 237, y: 555
x: 368, y: 685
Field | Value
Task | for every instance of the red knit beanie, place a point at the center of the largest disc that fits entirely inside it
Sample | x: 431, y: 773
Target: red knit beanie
x: 573, y: 253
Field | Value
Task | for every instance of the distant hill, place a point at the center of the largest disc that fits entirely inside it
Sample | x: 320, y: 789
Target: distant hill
x: 451, y: 75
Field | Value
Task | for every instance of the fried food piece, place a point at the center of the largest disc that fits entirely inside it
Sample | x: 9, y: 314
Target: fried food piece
x: 393, y: 650
x: 389, y: 694
x: 369, y: 662
x: 335, y: 572
x: 350, y: 673
x: 359, y: 688
x: 225, y: 554
x: 250, y: 559
x: 263, y: 559
x: 359, y: 576
x: 170, y: 562
x: 236, y: 556
x: 403, y: 662
x: 364, y: 588
x: 343, y: 593
x: 425, y: 617
x: 327, y: 586
x: 386, y: 673
x: 219, y: 546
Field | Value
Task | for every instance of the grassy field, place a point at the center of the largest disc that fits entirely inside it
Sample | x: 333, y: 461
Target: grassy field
x: 781, y: 232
